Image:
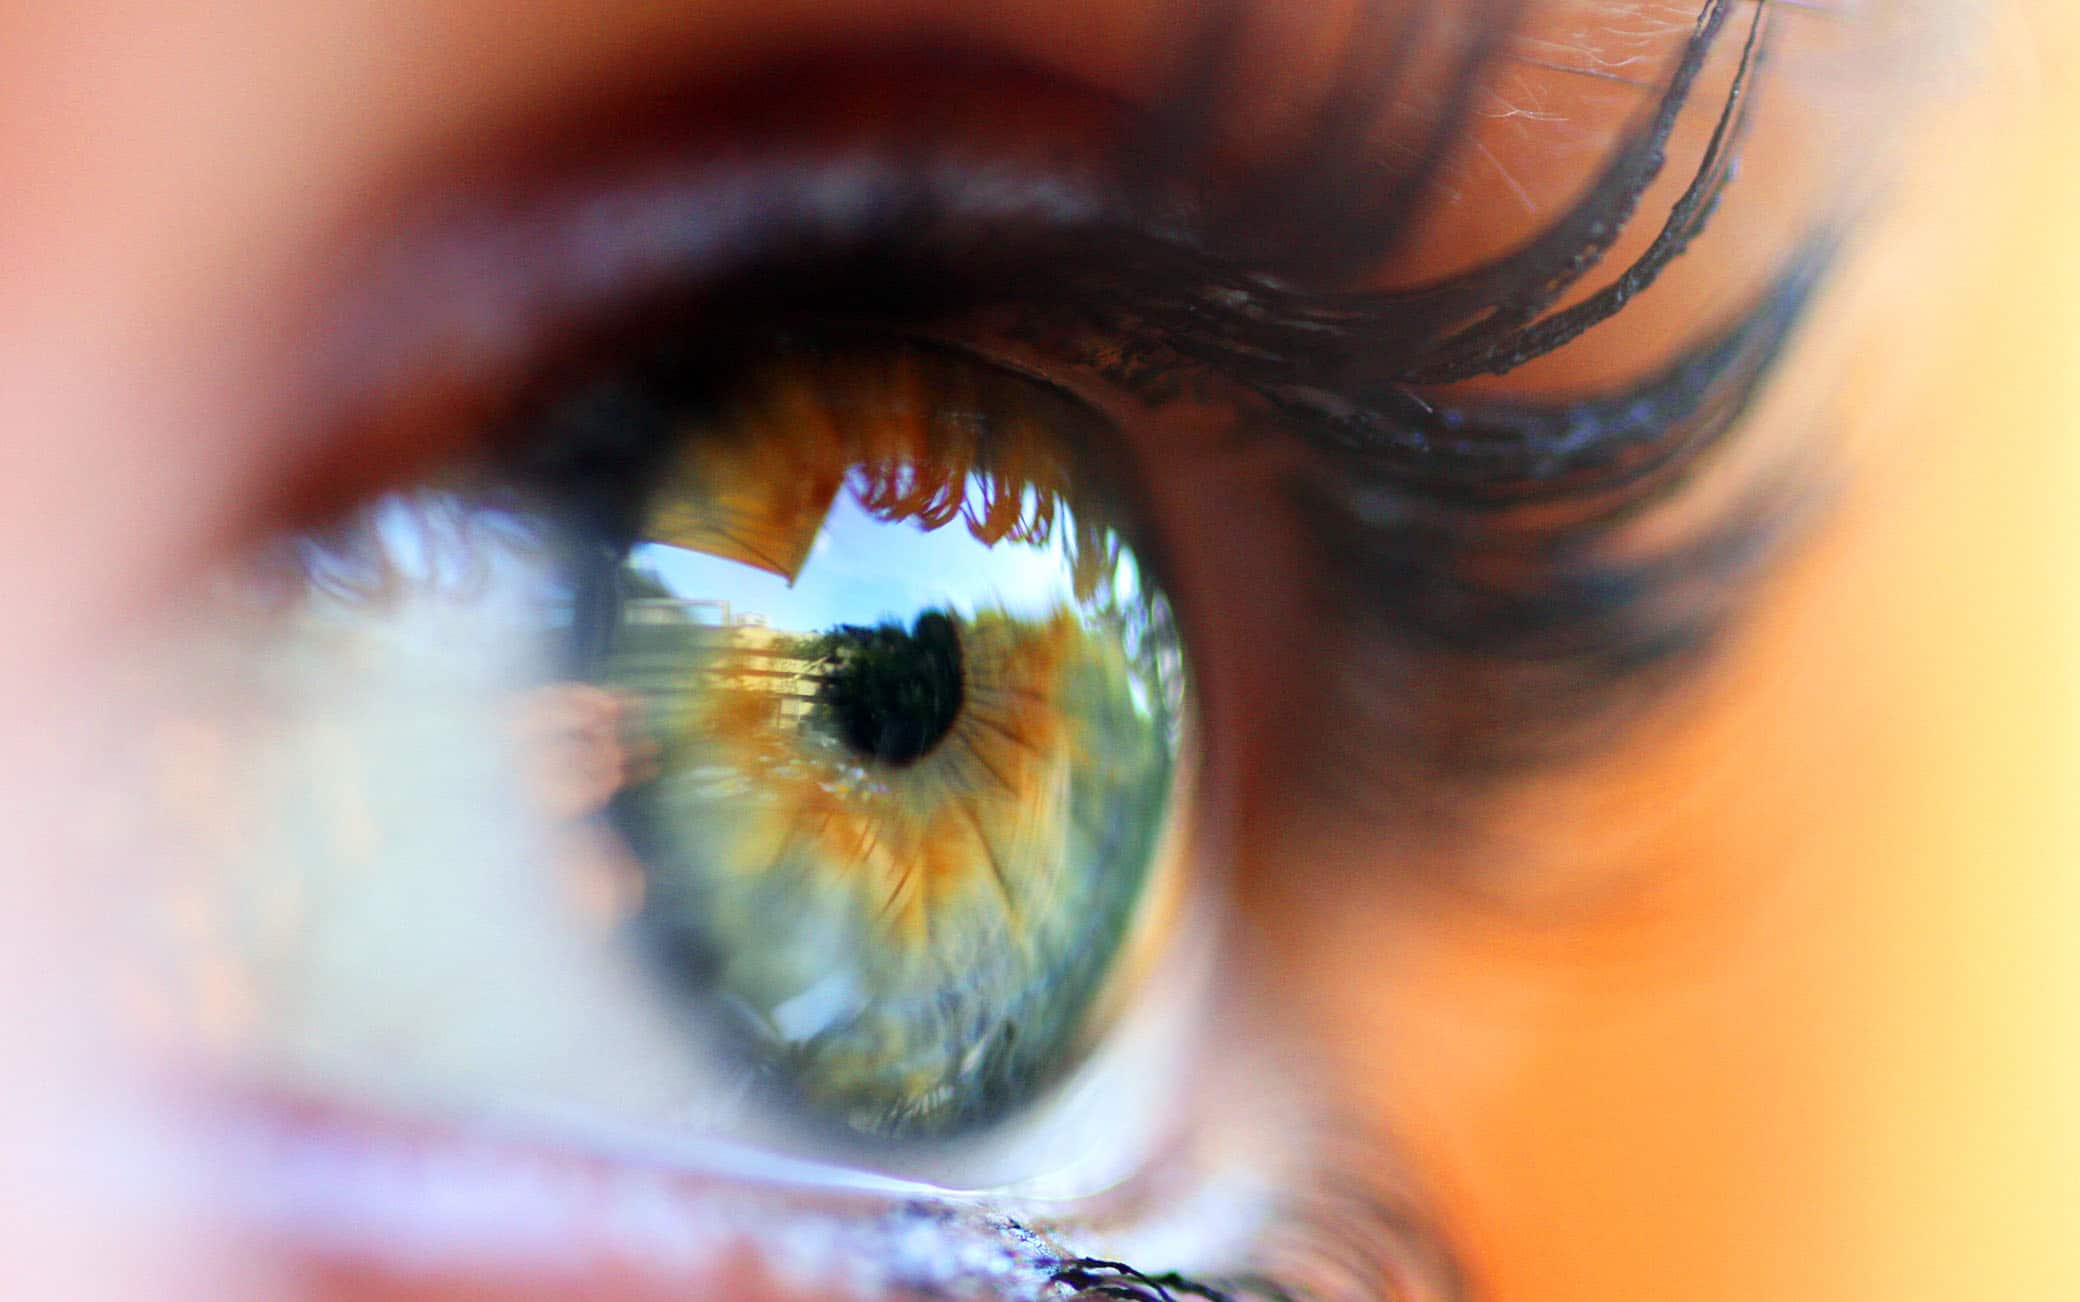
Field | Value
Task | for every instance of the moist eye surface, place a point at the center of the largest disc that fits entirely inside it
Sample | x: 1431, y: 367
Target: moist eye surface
x: 912, y: 709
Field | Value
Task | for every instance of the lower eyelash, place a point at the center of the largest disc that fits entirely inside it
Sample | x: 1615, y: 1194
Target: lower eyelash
x: 1337, y: 1233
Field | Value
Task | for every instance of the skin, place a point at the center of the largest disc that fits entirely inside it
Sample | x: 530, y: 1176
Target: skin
x: 1781, y: 1002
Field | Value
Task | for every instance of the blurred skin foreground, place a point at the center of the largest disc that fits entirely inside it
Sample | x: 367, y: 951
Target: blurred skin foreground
x: 1515, y: 943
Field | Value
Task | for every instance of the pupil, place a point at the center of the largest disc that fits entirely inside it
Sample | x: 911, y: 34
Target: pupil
x: 893, y: 693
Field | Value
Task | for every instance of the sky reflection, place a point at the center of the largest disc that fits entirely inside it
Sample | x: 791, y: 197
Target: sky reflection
x: 863, y: 570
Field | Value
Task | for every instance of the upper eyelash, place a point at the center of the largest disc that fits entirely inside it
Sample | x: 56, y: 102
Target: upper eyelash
x: 1324, y: 212
x: 1420, y: 550
x: 1600, y: 451
x: 1508, y: 339
x: 1150, y: 309
x: 1098, y: 272
x: 1092, y: 274
x: 1246, y: 316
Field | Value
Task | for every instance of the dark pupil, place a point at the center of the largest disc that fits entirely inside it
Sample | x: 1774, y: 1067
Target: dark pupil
x: 892, y: 693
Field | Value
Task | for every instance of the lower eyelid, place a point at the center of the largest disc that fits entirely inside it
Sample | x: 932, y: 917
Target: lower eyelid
x: 1124, y: 1159
x: 345, y: 1199
x: 376, y: 1201
x: 341, y: 1193
x: 349, y: 1192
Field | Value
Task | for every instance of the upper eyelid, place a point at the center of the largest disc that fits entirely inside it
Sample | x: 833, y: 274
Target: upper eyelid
x: 489, y: 286
x: 366, y: 343
x: 478, y: 283
x: 436, y: 325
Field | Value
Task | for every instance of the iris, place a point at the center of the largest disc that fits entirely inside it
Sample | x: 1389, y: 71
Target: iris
x: 917, y: 707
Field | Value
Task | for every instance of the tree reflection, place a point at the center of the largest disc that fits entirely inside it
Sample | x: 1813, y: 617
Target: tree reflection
x: 892, y: 693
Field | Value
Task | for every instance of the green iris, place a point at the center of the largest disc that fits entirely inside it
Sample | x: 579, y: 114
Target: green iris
x: 917, y: 706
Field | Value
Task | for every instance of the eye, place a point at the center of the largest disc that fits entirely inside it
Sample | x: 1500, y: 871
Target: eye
x: 837, y: 681
x: 755, y: 720
x: 916, y: 711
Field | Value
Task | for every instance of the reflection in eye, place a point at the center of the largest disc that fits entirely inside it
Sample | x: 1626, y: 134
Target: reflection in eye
x: 852, y: 733
x: 917, y: 713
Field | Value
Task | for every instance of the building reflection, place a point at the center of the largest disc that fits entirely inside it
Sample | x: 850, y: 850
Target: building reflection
x: 670, y: 647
